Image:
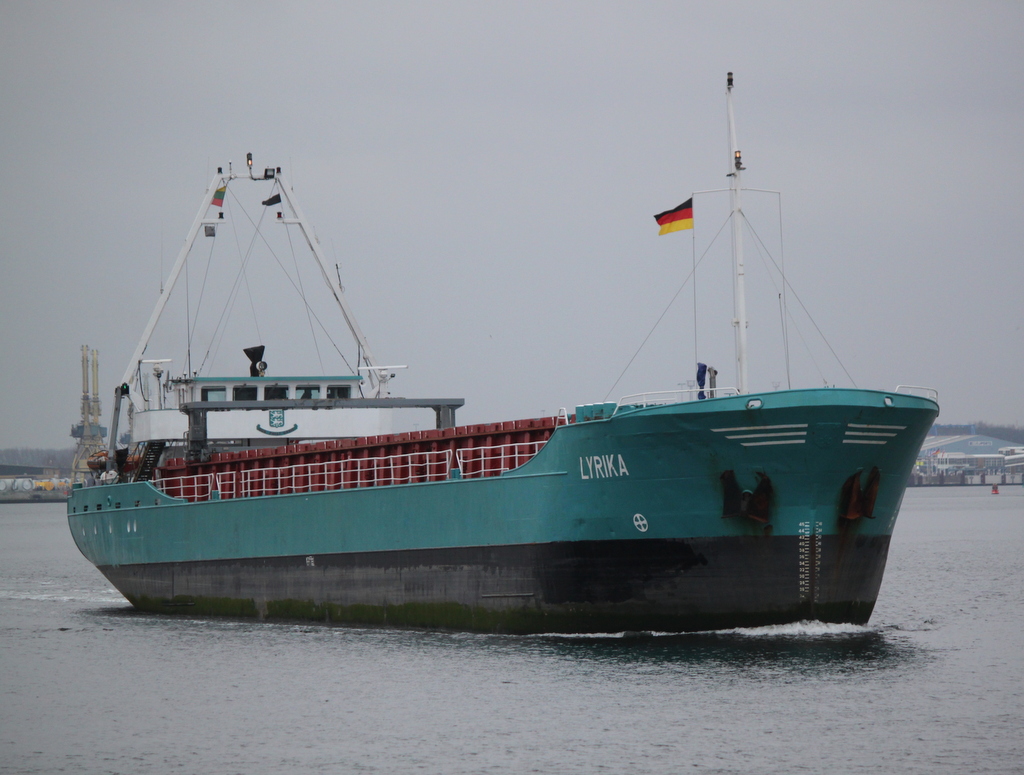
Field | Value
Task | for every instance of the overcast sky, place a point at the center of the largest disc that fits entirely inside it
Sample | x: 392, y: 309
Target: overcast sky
x: 486, y: 174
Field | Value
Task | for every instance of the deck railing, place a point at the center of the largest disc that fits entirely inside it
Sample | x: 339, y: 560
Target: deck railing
x: 919, y: 390
x: 336, y: 475
x: 491, y: 461
x: 192, y: 488
x: 675, y: 396
x: 412, y: 468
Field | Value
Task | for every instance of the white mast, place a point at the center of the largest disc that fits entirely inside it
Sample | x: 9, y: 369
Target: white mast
x: 739, y: 320
x: 218, y: 180
x: 378, y: 374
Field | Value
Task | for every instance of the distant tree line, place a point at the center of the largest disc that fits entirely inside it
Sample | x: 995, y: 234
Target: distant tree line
x: 46, y: 458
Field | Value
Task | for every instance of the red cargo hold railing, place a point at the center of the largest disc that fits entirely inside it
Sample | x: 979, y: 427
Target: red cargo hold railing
x: 410, y: 468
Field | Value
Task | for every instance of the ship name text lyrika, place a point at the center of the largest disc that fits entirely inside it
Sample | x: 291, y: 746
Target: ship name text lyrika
x: 602, y: 466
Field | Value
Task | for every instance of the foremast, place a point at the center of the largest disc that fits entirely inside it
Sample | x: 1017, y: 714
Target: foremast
x: 739, y: 287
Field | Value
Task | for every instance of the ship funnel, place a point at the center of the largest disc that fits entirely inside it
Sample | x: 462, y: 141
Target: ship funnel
x: 257, y: 368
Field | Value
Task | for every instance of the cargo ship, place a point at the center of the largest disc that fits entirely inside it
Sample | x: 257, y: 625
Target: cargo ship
x: 300, y: 496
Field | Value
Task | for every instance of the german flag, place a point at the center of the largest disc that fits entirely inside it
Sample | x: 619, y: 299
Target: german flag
x: 676, y: 219
x: 218, y: 196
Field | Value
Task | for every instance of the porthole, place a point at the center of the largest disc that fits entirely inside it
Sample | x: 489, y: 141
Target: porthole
x: 755, y: 403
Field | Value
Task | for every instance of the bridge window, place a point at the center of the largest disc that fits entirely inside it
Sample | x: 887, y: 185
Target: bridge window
x: 215, y: 394
x: 339, y: 391
x: 307, y: 391
x: 275, y: 392
x: 244, y: 393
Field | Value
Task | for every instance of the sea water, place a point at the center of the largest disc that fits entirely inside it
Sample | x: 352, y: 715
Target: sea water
x: 935, y: 682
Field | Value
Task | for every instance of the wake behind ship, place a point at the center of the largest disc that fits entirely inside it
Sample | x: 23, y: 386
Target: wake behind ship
x: 291, y: 496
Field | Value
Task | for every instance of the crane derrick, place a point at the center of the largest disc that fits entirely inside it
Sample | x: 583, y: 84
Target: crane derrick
x: 88, y: 432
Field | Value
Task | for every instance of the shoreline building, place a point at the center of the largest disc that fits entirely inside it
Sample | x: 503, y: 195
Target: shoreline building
x: 957, y: 454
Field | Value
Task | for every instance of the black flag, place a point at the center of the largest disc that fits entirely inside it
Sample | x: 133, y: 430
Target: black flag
x: 274, y: 200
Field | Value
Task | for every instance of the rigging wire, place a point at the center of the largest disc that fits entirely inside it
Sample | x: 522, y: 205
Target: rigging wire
x: 785, y: 283
x: 214, y: 342
x: 665, y: 311
x: 232, y: 297
x: 218, y: 333
x: 810, y: 355
x: 245, y: 277
x: 785, y: 306
x: 202, y: 288
x: 309, y: 309
x: 761, y: 249
x: 785, y: 315
x: 316, y: 317
x: 302, y: 293
x: 785, y: 344
x: 243, y: 262
x: 341, y: 287
x: 782, y: 271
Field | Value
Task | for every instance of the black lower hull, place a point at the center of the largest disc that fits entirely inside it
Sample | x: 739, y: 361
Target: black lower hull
x: 589, y: 586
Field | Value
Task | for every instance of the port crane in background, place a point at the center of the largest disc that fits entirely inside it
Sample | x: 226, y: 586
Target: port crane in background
x: 88, y: 432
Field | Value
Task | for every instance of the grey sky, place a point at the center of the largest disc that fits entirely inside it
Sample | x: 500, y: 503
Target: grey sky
x: 486, y: 173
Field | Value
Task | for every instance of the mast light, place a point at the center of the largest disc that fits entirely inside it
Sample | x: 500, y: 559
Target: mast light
x: 248, y: 160
x: 739, y: 161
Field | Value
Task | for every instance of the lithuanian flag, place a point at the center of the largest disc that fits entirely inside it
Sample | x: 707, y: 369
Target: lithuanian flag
x: 218, y: 196
x: 676, y: 219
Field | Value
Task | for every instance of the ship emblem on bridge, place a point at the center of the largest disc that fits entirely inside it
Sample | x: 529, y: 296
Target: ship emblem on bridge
x: 277, y: 421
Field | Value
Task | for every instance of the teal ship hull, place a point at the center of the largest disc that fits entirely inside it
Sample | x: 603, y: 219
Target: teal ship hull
x: 732, y: 511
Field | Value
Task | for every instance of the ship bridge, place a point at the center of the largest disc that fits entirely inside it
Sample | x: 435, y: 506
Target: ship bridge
x: 262, y: 411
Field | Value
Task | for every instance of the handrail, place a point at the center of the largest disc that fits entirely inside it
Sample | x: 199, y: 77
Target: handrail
x: 660, y: 397
x: 411, y: 468
x: 495, y: 460
x: 931, y: 393
x: 353, y: 472
x: 197, y: 487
